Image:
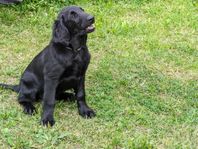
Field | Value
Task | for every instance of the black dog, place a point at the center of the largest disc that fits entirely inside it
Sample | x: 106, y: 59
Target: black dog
x: 60, y: 66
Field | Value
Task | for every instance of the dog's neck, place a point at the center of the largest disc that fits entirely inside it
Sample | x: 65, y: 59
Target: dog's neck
x: 78, y: 42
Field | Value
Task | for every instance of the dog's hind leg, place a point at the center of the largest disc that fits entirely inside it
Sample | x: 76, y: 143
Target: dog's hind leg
x: 27, y: 94
x: 27, y: 104
x: 28, y: 108
x: 26, y: 99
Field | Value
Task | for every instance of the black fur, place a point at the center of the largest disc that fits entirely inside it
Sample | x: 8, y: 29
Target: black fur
x: 60, y: 66
x: 11, y: 87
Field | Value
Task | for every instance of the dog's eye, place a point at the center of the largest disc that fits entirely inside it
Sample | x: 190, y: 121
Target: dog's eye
x: 74, y: 14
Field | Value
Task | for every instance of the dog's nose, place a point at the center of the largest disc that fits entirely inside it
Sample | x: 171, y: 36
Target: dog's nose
x: 90, y: 18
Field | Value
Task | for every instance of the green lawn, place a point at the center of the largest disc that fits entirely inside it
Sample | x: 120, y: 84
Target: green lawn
x: 142, y: 79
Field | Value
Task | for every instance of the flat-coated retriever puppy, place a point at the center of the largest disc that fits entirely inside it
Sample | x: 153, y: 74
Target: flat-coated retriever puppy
x: 60, y: 66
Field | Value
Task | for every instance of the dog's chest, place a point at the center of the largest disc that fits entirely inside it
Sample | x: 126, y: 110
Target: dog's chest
x: 73, y: 72
x: 76, y: 68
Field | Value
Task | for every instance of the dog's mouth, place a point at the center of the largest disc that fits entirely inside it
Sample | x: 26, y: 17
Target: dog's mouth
x: 90, y: 28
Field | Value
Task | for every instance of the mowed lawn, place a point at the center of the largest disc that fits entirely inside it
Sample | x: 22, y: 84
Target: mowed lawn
x: 142, y: 80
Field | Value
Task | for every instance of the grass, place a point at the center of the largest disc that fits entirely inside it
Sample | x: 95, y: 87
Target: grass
x: 142, y: 79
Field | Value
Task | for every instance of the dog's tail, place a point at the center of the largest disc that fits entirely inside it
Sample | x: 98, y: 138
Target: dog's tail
x: 11, y: 87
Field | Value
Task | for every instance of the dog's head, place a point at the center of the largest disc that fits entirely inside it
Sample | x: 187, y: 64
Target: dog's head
x: 70, y: 22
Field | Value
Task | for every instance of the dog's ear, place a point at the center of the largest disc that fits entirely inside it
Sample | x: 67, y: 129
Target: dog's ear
x: 61, y: 34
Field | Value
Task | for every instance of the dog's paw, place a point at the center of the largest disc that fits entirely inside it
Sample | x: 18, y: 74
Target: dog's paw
x: 29, y: 109
x: 48, y: 121
x: 86, y: 112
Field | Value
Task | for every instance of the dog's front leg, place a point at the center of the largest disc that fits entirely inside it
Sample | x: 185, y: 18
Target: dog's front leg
x: 83, y: 108
x: 49, y: 101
